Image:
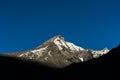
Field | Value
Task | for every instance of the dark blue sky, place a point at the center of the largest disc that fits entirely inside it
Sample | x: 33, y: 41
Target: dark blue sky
x: 25, y: 24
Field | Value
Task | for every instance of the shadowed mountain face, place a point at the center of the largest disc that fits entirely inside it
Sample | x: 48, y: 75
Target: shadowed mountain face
x: 58, y: 53
x: 104, y: 67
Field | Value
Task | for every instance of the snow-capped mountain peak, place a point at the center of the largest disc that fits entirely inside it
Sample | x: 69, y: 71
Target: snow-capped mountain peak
x: 60, y: 42
x: 58, y: 52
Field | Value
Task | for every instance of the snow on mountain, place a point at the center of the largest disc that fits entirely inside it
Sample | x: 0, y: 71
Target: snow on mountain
x: 99, y: 53
x: 74, y: 47
x: 61, y: 43
x: 57, y: 52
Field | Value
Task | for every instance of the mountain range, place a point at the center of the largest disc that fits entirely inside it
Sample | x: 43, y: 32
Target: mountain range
x: 59, y: 53
x: 16, y: 67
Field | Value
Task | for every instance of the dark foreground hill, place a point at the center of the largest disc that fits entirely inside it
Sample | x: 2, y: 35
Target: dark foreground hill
x: 105, y: 67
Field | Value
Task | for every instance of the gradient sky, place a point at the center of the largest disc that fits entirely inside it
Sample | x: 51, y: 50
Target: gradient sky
x: 25, y: 24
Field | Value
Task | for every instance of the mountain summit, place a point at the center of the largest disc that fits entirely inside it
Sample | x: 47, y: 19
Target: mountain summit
x: 58, y: 53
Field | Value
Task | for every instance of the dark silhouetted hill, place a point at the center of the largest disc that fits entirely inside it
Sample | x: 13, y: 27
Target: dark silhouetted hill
x: 105, y: 67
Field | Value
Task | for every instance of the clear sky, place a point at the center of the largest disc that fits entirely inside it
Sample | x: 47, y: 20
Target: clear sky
x: 25, y: 24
